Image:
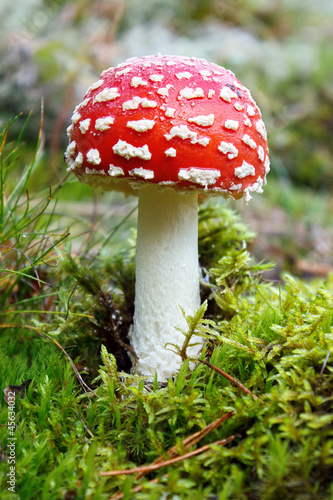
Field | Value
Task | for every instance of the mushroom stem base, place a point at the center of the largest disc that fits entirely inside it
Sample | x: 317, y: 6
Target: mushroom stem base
x: 167, y: 278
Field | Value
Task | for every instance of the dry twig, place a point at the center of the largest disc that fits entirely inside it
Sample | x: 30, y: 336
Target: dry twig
x: 172, y: 452
x: 229, y: 377
x: 149, y: 468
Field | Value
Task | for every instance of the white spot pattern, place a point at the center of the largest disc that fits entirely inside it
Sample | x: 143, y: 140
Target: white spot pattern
x: 227, y: 148
x: 227, y: 94
x: 137, y: 81
x: 123, y: 148
x: 84, y: 102
x: 250, y: 110
x: 204, y: 177
x: 103, y: 124
x: 141, y: 125
x: 189, y: 93
x: 156, y: 78
x: 238, y: 106
x: 205, y: 72
x: 170, y: 112
x: 267, y: 165
x: 124, y: 71
x: 115, y: 171
x: 202, y: 120
x: 142, y: 172
x: 261, y: 153
x: 231, y: 124
x: 164, y: 91
x: 170, y: 152
x: 244, y: 170
x: 108, y: 94
x: 70, y: 151
x: 260, y: 126
x: 76, y: 117
x: 183, y: 132
x: 84, y: 125
x: 250, y: 142
x: 97, y: 84
x: 135, y: 102
x: 93, y: 157
x: 79, y: 159
x: 204, y: 141
x: 184, y: 74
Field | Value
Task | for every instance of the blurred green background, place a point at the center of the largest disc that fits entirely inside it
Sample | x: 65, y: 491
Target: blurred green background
x: 280, y: 49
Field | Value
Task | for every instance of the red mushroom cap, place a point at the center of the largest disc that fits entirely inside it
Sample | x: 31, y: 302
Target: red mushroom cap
x: 170, y: 121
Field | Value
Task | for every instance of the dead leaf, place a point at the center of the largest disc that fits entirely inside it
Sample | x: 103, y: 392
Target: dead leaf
x: 17, y: 390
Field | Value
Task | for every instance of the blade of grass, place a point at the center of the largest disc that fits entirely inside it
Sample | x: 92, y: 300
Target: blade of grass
x: 24, y: 222
x: 14, y: 198
x: 21, y: 273
x: 116, y: 228
x: 41, y: 297
x: 42, y: 311
x: 25, y: 256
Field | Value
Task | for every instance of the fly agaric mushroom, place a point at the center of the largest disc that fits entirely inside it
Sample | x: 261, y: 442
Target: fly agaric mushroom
x: 167, y: 128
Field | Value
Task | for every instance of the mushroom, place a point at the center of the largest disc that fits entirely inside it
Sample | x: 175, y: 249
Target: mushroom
x: 167, y: 128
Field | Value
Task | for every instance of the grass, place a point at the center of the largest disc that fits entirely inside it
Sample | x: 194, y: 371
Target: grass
x: 265, y: 432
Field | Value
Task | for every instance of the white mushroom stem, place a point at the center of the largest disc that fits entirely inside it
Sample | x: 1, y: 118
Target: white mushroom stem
x: 167, y: 278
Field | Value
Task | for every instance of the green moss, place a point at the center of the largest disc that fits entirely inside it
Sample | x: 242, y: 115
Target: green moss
x: 273, y: 339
